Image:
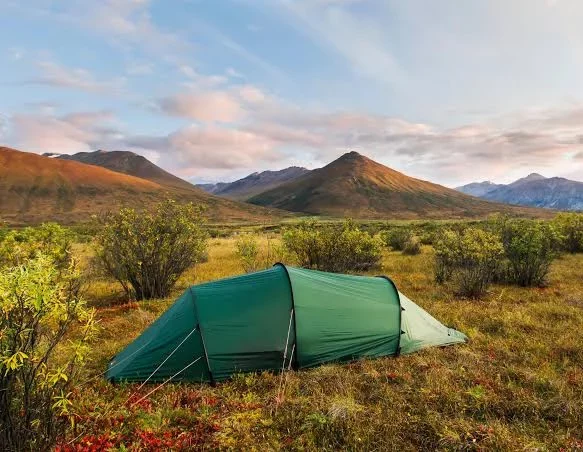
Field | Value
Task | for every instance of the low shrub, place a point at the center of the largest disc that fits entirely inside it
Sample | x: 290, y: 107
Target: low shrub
x: 570, y: 226
x: 529, y: 248
x: 333, y: 248
x: 253, y: 257
x: 397, y: 238
x: 147, y: 252
x: 467, y: 259
x: 17, y: 246
x: 412, y: 246
x: 247, y: 251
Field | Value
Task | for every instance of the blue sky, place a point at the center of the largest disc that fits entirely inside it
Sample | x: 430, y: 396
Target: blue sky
x: 451, y: 91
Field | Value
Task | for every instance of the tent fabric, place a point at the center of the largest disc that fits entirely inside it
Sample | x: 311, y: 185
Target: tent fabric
x: 247, y: 323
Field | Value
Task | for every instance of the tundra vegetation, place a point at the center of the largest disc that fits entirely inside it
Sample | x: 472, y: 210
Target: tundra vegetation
x: 515, y: 287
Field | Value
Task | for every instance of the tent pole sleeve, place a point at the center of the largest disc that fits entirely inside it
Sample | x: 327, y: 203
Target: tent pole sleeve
x: 400, y: 312
x: 206, y: 355
x: 293, y: 306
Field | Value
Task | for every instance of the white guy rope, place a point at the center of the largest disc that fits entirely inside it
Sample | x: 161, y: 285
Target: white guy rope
x: 167, y: 381
x: 162, y: 363
x: 291, y: 315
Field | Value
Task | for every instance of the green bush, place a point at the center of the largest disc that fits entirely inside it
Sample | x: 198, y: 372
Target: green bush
x: 17, y: 246
x: 466, y: 259
x: 247, y: 250
x: 333, y: 248
x: 570, y: 227
x: 529, y: 248
x: 253, y: 258
x: 412, y: 246
x: 147, y: 252
x: 39, y: 306
x: 397, y: 238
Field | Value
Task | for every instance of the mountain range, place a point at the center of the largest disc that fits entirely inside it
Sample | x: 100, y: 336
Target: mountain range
x: 533, y: 190
x: 35, y: 188
x: 71, y: 188
x: 356, y: 186
x: 255, y: 183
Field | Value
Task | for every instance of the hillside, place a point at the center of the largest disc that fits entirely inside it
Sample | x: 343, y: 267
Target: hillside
x: 357, y: 186
x: 129, y: 163
x: 254, y: 184
x: 35, y: 188
x: 533, y: 190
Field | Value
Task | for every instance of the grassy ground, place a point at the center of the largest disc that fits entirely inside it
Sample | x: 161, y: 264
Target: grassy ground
x: 518, y: 384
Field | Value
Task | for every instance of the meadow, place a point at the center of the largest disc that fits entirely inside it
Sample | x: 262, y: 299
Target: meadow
x: 517, y: 384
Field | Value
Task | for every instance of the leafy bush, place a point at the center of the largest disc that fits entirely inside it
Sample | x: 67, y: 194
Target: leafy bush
x: 412, y: 246
x: 529, y: 247
x: 570, y: 227
x: 247, y: 251
x: 39, y: 305
x: 147, y: 252
x: 253, y: 258
x: 17, y: 246
x: 467, y: 259
x: 333, y: 248
x: 397, y: 238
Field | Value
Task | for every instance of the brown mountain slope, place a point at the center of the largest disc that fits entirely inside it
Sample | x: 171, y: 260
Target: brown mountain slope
x: 34, y: 188
x: 357, y: 186
x: 129, y: 163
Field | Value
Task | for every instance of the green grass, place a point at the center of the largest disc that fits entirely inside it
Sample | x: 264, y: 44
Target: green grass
x: 517, y: 385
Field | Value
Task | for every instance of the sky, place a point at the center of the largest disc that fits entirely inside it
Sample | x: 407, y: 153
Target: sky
x: 452, y: 91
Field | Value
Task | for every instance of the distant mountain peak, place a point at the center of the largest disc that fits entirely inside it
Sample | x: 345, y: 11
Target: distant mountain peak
x: 534, y: 176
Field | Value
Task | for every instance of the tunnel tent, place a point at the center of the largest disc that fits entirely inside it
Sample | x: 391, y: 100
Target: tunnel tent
x: 279, y: 316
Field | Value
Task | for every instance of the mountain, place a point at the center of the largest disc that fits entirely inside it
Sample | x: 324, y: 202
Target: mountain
x: 213, y: 188
x: 128, y: 163
x: 532, y: 177
x: 357, y: 186
x: 554, y: 192
x: 478, y: 189
x: 255, y: 183
x: 533, y: 190
x: 35, y: 188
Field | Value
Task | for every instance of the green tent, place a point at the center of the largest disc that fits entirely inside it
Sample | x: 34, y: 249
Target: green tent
x: 283, y: 316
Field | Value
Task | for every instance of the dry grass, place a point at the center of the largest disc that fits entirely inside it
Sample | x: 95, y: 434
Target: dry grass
x: 518, y: 384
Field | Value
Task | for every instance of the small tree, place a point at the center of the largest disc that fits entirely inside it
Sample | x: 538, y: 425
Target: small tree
x: 147, y: 252
x: 412, y: 246
x: 467, y: 259
x: 570, y: 226
x: 333, y: 248
x: 529, y: 247
x: 247, y: 251
x: 253, y: 257
x: 397, y: 238
x: 39, y: 305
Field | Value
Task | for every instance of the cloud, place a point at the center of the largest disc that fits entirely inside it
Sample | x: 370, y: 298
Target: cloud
x: 53, y: 74
x: 228, y: 105
x: 359, y: 39
x: 193, y: 149
x: 235, y: 136
x: 203, y: 106
x: 81, y: 131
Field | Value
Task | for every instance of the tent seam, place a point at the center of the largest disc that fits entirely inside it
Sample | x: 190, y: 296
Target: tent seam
x: 394, y: 286
x: 291, y: 289
x: 198, y: 319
